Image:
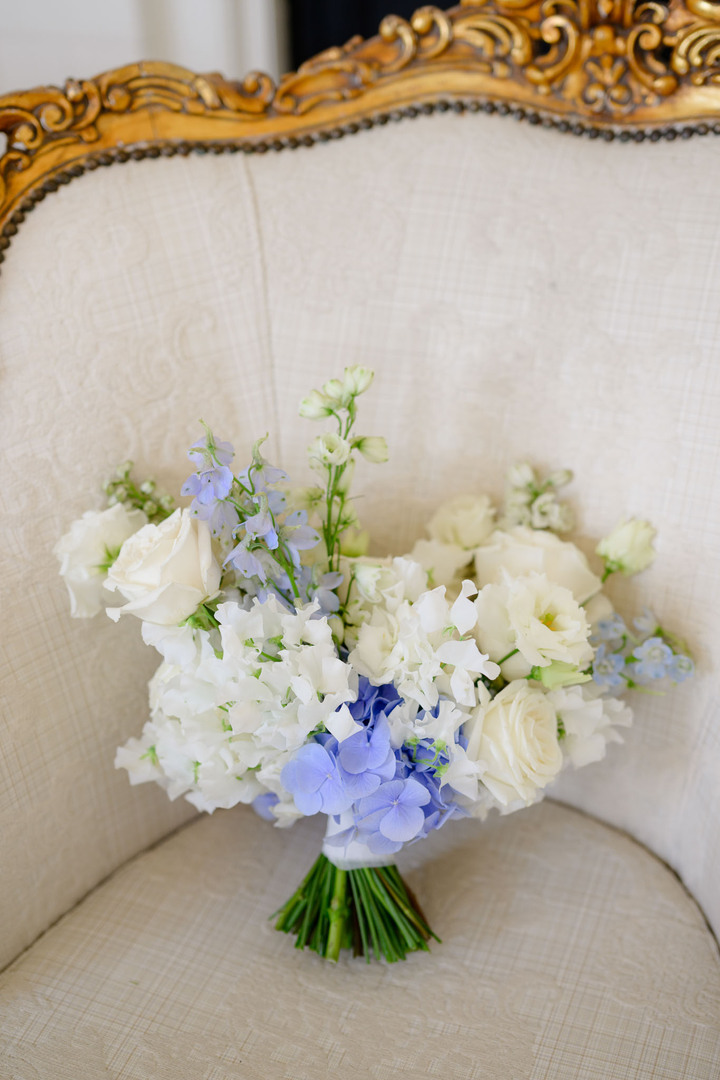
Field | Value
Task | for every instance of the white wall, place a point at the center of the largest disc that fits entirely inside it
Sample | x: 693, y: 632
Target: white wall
x: 46, y: 41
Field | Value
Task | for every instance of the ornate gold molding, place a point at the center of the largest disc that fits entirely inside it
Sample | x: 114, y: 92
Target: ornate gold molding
x: 632, y: 68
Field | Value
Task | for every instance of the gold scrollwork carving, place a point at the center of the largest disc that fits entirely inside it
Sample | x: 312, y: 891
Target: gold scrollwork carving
x: 608, y: 62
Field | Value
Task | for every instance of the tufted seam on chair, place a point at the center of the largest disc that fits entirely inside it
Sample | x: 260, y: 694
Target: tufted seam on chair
x: 267, y: 321
x: 121, y: 154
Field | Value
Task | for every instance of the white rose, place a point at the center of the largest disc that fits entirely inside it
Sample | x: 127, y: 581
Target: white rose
x: 521, y: 550
x: 465, y: 520
x: 539, y: 619
x: 165, y: 571
x: 85, y: 551
x: 628, y: 548
x: 514, y: 740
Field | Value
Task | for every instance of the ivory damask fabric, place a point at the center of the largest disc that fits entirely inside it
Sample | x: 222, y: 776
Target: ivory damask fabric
x: 520, y: 294
x: 569, y: 953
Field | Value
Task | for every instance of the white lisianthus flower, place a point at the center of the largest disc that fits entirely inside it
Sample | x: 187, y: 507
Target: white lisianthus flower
x: 87, y: 551
x: 373, y: 448
x: 539, y: 619
x: 588, y: 722
x: 522, y: 550
x: 514, y: 740
x: 466, y: 520
x: 329, y: 449
x: 165, y: 571
x: 628, y: 548
x: 442, y: 561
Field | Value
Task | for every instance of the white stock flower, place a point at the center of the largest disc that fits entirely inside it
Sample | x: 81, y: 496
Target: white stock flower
x: 165, y: 571
x: 522, y: 550
x: 588, y: 720
x: 628, y: 548
x: 84, y: 552
x: 514, y: 740
x: 465, y: 520
x: 541, y: 620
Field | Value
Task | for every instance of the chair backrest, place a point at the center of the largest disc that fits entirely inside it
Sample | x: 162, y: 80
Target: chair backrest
x: 520, y: 293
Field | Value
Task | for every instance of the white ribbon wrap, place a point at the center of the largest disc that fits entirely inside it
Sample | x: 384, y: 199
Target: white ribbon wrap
x: 354, y: 856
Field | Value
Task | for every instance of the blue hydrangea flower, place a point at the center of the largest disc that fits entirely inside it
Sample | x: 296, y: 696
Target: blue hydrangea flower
x: 263, y: 805
x: 653, y: 658
x: 680, y: 668
x: 607, y: 667
x: 373, y: 701
x: 314, y: 781
x: 392, y: 815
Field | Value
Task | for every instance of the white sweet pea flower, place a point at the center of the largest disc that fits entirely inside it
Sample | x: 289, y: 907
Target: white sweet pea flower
x: 227, y: 720
x: 588, y: 722
x: 165, y: 571
x: 414, y: 646
x: 329, y: 449
x: 514, y: 740
x: 628, y: 548
x: 465, y: 520
x: 522, y: 550
x: 87, y: 551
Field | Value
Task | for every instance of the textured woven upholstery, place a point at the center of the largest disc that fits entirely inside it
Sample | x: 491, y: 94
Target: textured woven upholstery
x: 521, y: 294
x: 568, y: 954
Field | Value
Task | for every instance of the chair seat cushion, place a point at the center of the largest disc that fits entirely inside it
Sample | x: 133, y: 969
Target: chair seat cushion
x: 568, y: 951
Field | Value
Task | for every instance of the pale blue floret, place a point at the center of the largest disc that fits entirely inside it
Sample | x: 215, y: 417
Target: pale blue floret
x: 652, y: 658
x: 612, y: 630
x: 607, y: 667
x: 646, y: 624
x: 680, y: 668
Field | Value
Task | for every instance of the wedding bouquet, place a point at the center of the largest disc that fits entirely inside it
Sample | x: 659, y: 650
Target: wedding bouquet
x: 390, y: 694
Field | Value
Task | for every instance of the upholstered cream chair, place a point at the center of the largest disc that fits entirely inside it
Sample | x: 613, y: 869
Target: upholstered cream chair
x: 522, y: 293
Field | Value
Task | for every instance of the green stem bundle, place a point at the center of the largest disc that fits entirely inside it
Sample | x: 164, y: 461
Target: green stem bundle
x: 368, y: 910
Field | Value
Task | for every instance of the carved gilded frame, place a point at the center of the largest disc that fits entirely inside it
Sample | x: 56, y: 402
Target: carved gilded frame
x: 632, y: 69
